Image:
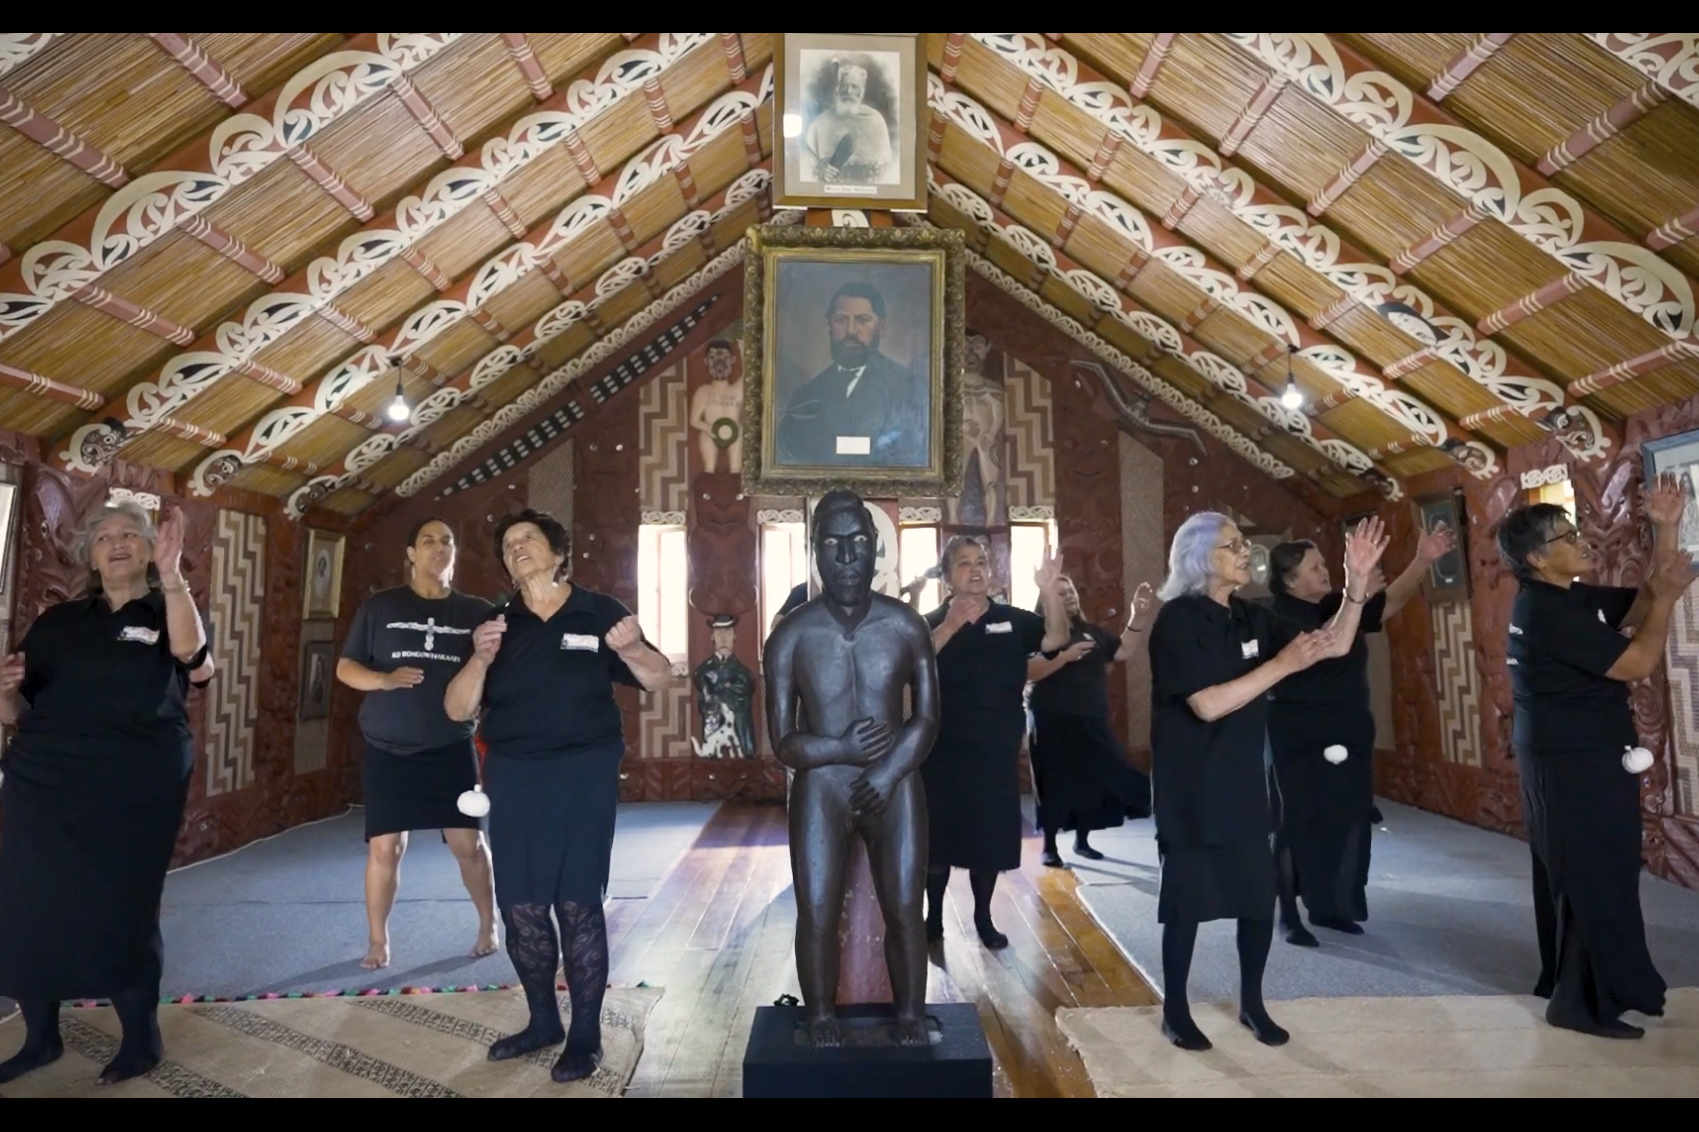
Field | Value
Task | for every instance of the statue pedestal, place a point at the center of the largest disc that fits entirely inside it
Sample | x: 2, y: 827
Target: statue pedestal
x: 955, y: 1062
x: 862, y: 976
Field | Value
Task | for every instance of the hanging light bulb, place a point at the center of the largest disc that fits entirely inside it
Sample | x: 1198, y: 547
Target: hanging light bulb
x: 1293, y: 397
x: 398, y: 410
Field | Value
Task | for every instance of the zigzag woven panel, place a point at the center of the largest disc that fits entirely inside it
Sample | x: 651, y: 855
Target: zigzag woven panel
x: 1459, y: 682
x: 1682, y: 656
x: 1032, y: 466
x: 663, y: 471
x: 237, y: 614
x: 664, y: 723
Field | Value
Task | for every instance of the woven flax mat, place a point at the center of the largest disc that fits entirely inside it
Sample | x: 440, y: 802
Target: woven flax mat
x: 1460, y: 1046
x: 414, y: 1045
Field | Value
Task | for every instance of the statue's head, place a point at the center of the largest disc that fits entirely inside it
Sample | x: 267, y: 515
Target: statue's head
x: 724, y: 629
x: 845, y: 547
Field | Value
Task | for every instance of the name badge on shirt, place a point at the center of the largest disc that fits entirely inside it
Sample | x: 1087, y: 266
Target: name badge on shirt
x: 581, y: 642
x: 1602, y: 620
x: 1001, y: 627
x: 140, y: 633
x: 1515, y: 632
x: 1249, y: 648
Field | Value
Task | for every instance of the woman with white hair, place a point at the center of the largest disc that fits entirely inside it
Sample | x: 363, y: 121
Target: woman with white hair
x: 1213, y: 659
x: 95, y: 784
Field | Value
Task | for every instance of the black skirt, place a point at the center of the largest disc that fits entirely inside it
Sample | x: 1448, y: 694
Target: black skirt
x: 1324, y: 811
x: 973, y: 796
x: 552, y: 824
x: 1082, y: 776
x: 87, y: 831
x: 418, y: 791
x: 1217, y: 882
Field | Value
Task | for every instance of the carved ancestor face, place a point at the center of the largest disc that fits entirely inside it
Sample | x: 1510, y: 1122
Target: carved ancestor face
x: 978, y: 346
x: 845, y: 547
x: 725, y: 640
x: 720, y: 363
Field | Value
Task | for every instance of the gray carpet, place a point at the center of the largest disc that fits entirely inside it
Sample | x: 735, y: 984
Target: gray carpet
x: 288, y: 914
x: 1450, y: 912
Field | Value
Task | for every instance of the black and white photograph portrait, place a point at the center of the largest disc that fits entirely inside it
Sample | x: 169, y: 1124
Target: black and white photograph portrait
x: 850, y: 113
x: 323, y: 581
x: 318, y: 660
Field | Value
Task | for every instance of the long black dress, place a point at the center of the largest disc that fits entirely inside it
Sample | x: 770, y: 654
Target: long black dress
x: 972, y: 775
x: 95, y: 784
x: 1207, y: 779
x: 1582, y: 809
x: 1079, y: 767
x: 1325, y: 808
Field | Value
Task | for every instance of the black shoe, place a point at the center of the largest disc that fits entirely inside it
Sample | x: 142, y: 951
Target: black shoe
x: 990, y: 936
x: 575, y: 1066
x: 1053, y: 859
x: 1543, y: 988
x: 528, y: 1040
x: 130, y: 1063
x: 31, y: 1058
x: 1259, y: 1023
x: 1345, y: 927
x: 1374, y: 815
x: 1564, y: 1019
x: 1082, y: 849
x: 1185, y: 1034
x: 1300, y: 936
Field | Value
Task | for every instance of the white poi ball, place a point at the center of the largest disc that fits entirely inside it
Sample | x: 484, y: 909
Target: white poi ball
x: 1335, y: 754
x: 1636, y: 760
x: 474, y: 803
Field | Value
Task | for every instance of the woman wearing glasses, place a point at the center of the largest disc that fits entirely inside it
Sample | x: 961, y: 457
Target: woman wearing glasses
x: 1213, y: 659
x: 1325, y: 802
x: 1574, y: 735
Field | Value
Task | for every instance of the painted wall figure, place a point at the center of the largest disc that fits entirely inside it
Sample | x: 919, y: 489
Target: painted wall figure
x: 717, y: 406
x: 984, y: 501
x: 725, y: 697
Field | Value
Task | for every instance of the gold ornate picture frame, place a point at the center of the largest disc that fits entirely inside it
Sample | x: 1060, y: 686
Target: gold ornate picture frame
x: 321, y: 579
x: 853, y: 355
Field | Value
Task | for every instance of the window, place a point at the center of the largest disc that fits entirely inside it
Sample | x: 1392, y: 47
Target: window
x: 784, y: 566
x: 1028, y: 545
x: 663, y: 588
x: 1561, y: 493
x: 917, y: 552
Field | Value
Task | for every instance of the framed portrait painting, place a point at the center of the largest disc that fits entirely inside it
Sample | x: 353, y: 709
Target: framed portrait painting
x: 1448, y: 578
x: 321, y: 584
x: 8, y: 508
x: 1678, y: 456
x: 318, y: 664
x: 855, y: 336
x: 850, y: 111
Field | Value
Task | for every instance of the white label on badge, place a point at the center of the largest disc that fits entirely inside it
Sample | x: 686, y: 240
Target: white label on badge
x: 1001, y: 627
x: 1515, y: 632
x: 1510, y: 660
x: 139, y: 633
x: 855, y: 445
x: 1249, y: 648
x: 581, y: 642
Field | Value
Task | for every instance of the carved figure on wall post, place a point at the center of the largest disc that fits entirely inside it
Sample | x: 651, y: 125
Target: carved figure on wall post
x: 725, y: 697
x: 716, y: 409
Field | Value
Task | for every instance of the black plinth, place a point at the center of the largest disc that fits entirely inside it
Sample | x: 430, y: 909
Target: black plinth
x: 779, y: 1062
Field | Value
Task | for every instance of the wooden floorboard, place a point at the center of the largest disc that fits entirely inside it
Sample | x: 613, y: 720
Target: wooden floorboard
x: 717, y: 936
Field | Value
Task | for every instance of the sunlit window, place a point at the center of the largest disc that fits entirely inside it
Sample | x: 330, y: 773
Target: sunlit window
x: 1028, y: 544
x: 784, y: 566
x: 917, y: 552
x: 663, y: 588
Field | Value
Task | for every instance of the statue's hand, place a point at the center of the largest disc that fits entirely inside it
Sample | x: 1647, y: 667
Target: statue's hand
x: 872, y: 791
x: 865, y: 742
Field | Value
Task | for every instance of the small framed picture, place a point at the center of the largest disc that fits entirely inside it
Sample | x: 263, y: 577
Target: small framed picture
x: 8, y: 508
x: 318, y: 664
x: 850, y: 112
x: 1678, y: 456
x: 322, y: 585
x: 1448, y: 578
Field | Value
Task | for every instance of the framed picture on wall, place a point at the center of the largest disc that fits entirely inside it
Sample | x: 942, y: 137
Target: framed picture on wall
x: 8, y: 506
x: 322, y: 581
x: 855, y: 338
x: 850, y: 114
x: 1448, y: 578
x: 318, y: 665
x: 1678, y: 456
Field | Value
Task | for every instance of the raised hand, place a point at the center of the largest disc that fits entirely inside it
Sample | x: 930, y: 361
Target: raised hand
x: 1144, y: 598
x: 866, y: 741
x: 403, y: 678
x: 626, y: 635
x: 1363, y: 548
x: 11, y: 673
x: 1665, y: 501
x: 1305, y: 649
x: 1672, y: 575
x: 486, y: 638
x: 1049, y: 575
x: 168, y: 544
x: 1438, y: 543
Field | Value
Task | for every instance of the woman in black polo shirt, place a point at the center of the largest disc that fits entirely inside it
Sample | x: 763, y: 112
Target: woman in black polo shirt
x: 96, y: 779
x: 1213, y: 658
x: 1570, y: 666
x: 543, y: 671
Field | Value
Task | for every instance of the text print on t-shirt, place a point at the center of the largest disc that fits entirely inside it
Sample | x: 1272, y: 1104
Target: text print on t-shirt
x: 583, y: 642
x: 431, y: 629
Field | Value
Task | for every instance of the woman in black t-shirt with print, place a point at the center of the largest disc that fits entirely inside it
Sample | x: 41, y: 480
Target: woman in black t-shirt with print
x: 542, y: 673
x: 403, y: 648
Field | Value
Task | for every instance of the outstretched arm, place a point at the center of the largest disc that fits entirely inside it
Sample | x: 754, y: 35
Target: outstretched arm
x: 1665, y: 503
x: 1436, y: 544
x: 1363, y: 548
x: 1057, y: 628
x: 1144, y: 600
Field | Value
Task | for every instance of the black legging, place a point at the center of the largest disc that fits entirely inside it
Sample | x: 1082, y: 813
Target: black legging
x: 982, y: 881
x: 139, y: 1050
x: 1179, y: 940
x: 535, y: 951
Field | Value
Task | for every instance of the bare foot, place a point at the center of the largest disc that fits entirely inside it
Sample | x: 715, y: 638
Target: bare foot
x: 912, y: 1032
x: 823, y: 1033
x: 377, y: 955
x: 487, y: 943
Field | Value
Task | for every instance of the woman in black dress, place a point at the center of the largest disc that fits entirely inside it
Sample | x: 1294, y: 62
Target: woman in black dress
x: 1213, y: 658
x: 1573, y: 734
x: 96, y: 779
x: 972, y: 775
x: 1079, y: 768
x: 403, y: 648
x: 1325, y: 803
x: 542, y: 672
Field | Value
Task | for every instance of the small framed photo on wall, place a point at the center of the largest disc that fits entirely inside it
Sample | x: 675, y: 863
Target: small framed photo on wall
x: 318, y: 664
x: 1448, y: 578
x: 1678, y: 456
x: 8, y: 508
x: 322, y: 584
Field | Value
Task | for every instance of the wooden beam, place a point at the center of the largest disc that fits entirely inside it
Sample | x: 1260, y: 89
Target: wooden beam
x: 1683, y: 227
x: 1603, y: 128
x: 1634, y: 367
x: 50, y: 389
x: 1406, y: 260
x: 200, y: 228
x: 1466, y: 63
x: 104, y: 301
x: 1552, y: 293
x: 60, y: 142
x: 1251, y: 116
x: 338, y: 189
x: 1669, y: 57
x: 525, y: 59
x: 1347, y: 177
x: 192, y: 57
x: 1159, y: 49
x: 429, y: 120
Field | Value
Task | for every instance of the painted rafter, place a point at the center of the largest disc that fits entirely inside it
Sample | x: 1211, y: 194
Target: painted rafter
x: 19, y: 47
x: 1376, y: 286
x: 231, y: 153
x: 60, y: 142
x: 1215, y: 280
x: 1671, y: 58
x: 193, y: 58
x: 465, y: 387
x: 1240, y: 383
x: 1549, y: 218
x: 601, y: 203
x: 308, y: 292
